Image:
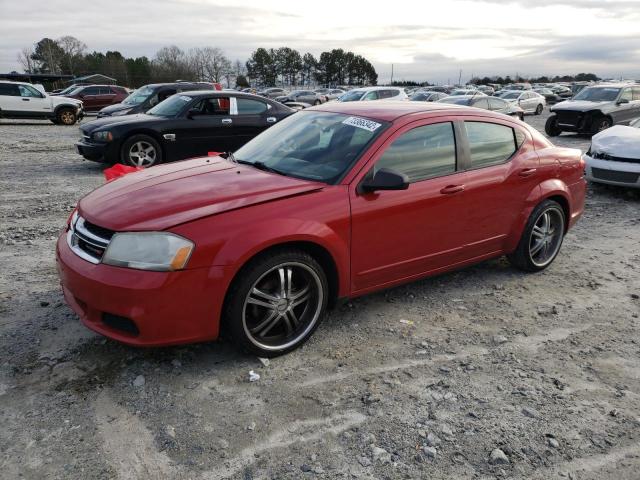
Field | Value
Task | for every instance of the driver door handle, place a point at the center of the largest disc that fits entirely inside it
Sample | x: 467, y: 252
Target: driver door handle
x: 527, y: 172
x: 450, y: 189
x: 227, y: 121
x: 271, y: 119
x: 25, y: 99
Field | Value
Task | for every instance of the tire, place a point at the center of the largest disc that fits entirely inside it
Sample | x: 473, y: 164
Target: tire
x: 66, y: 116
x: 141, y: 151
x: 521, y: 116
x: 551, y: 127
x: 280, y: 317
x: 317, y: 102
x: 539, y: 246
x: 539, y: 109
x: 601, y: 123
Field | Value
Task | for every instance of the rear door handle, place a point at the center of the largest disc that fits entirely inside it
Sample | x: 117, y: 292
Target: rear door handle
x: 25, y: 99
x: 527, y: 172
x: 227, y: 121
x: 449, y: 189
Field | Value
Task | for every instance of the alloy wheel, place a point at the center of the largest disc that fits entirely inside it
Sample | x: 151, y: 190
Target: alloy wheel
x: 546, y: 237
x: 67, y: 117
x: 142, y: 154
x: 282, y: 306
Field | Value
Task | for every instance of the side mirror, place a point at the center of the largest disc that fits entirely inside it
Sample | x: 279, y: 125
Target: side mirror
x: 622, y: 100
x: 385, y: 179
x: 193, y: 113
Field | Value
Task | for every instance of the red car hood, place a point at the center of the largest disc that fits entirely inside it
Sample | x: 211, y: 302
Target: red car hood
x: 167, y: 195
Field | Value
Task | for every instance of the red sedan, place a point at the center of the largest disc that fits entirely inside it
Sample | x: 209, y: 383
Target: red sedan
x: 333, y: 202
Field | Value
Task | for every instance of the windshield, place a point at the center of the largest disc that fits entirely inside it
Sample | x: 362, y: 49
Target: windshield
x: 171, y: 106
x: 318, y: 146
x: 352, y: 96
x: 138, y: 96
x: 460, y: 92
x: 598, y: 94
x: 511, y: 95
x: 69, y: 89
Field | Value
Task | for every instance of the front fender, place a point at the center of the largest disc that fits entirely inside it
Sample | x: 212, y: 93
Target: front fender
x: 247, y: 243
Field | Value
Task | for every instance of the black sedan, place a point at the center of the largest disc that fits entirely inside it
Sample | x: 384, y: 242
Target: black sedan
x: 187, y: 124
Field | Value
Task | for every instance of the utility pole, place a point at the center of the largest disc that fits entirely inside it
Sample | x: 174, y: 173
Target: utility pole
x: 392, y: 74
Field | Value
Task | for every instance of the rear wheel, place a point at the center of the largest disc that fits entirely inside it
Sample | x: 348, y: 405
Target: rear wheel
x: 541, y: 239
x: 141, y: 151
x: 317, y: 102
x: 66, y: 116
x: 551, y: 127
x: 276, y: 303
x: 539, y: 109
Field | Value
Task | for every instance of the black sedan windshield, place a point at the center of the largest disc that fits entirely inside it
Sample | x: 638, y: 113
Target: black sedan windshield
x: 598, y: 94
x: 318, y: 146
x: 171, y: 107
x: 138, y: 96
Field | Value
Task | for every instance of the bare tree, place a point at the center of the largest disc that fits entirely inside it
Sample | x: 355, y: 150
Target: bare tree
x: 24, y: 58
x: 215, y: 63
x: 73, y: 49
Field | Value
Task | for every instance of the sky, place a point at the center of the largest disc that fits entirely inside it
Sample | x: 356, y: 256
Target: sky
x: 424, y: 40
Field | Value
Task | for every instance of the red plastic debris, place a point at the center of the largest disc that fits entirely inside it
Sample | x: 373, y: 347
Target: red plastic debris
x: 118, y: 170
x: 213, y: 154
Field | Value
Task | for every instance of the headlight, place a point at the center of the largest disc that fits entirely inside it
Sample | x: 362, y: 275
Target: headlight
x: 102, y: 136
x: 158, y: 251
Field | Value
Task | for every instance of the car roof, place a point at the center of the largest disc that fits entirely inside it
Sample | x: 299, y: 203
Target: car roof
x: 391, y: 110
x: 16, y: 82
x: 223, y: 93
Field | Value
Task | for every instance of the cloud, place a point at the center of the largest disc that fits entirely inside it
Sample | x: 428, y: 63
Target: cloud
x: 427, y: 41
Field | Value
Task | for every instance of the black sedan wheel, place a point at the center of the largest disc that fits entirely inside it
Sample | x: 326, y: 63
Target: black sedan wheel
x: 276, y: 303
x: 141, y: 151
x: 601, y: 124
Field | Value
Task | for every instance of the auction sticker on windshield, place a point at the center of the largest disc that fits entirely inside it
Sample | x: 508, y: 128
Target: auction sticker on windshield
x: 363, y: 123
x: 184, y: 98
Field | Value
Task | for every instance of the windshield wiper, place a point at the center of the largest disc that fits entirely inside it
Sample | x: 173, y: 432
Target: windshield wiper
x: 229, y: 156
x: 262, y: 166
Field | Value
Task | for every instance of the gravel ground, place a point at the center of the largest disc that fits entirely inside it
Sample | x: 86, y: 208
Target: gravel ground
x: 482, y: 373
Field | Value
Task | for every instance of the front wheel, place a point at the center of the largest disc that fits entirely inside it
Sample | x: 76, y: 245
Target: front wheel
x: 541, y: 239
x: 539, y: 109
x: 66, y: 116
x: 601, y: 123
x: 276, y: 303
x: 551, y: 127
x: 317, y: 102
x: 141, y: 151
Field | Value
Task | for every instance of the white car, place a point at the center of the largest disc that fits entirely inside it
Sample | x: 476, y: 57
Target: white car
x: 614, y: 156
x: 374, y: 93
x: 529, y: 101
x: 23, y: 100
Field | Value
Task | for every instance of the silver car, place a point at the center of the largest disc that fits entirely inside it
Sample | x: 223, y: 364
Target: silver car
x: 529, y: 101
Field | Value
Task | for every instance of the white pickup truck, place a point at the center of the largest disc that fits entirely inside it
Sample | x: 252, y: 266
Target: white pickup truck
x: 23, y: 100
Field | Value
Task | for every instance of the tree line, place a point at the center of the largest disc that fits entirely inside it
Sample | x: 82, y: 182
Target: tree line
x: 266, y: 67
x: 288, y: 67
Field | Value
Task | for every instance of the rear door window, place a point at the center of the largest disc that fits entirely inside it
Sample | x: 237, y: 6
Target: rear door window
x: 421, y: 153
x: 247, y: 106
x: 9, y: 90
x: 489, y: 143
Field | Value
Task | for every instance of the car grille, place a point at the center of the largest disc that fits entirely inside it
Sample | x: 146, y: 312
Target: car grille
x: 614, y: 176
x: 612, y: 158
x: 87, y: 240
x: 568, y: 118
